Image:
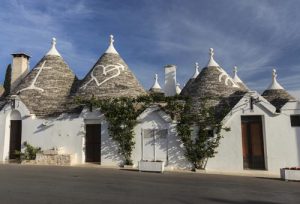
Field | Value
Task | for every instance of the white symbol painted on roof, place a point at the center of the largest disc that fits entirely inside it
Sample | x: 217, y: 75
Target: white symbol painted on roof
x: 32, y: 85
x: 106, y: 70
x: 227, y: 78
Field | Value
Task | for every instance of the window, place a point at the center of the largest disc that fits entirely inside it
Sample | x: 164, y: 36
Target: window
x: 154, y: 144
x: 295, y: 120
x: 211, y: 133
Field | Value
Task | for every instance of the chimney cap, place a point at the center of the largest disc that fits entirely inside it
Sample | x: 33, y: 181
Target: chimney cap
x: 170, y: 65
x: 20, y: 54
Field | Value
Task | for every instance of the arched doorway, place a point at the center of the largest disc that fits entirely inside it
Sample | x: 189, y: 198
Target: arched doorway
x: 15, y: 133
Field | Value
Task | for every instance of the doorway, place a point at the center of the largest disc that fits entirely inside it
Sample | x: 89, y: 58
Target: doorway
x: 15, y: 138
x: 253, y: 144
x: 93, y: 143
x: 154, y: 144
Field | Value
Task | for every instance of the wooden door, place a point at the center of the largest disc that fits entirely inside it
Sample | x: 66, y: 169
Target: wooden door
x: 253, y: 145
x: 93, y: 143
x: 15, y: 137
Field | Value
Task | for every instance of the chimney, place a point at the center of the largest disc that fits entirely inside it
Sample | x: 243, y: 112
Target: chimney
x: 20, y: 68
x: 170, y: 80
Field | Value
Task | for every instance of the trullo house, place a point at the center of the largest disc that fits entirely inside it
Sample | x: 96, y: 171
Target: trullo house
x: 38, y: 106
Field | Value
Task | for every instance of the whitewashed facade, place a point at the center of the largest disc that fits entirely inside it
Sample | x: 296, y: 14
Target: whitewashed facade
x: 155, y: 134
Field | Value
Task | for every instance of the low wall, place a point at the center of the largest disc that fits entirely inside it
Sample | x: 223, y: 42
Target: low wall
x: 52, y: 159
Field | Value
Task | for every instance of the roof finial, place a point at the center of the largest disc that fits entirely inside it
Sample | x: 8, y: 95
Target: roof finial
x: 236, y: 78
x: 211, y: 52
x: 111, y: 39
x: 274, y: 74
x: 111, y: 48
x: 53, y: 41
x: 156, y: 84
x: 196, y: 71
x: 212, y: 62
x: 53, y: 50
x: 275, y: 84
x: 235, y: 70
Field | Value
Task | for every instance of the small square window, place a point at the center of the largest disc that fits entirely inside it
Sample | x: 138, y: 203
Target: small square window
x: 295, y: 120
x: 211, y: 133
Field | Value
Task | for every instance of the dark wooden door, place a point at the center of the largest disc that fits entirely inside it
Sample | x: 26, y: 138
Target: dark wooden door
x: 253, y: 145
x: 93, y: 143
x: 15, y: 137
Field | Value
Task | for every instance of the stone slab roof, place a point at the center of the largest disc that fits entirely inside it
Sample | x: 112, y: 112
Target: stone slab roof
x: 238, y: 81
x: 46, y: 89
x: 213, y: 88
x: 3, y: 101
x: 277, y: 97
x: 110, y: 78
x: 1, y: 90
x: 155, y: 90
x: 243, y: 86
x: 186, y: 89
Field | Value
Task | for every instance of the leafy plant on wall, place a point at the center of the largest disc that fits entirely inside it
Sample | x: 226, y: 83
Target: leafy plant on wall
x: 202, y: 145
x: 121, y: 115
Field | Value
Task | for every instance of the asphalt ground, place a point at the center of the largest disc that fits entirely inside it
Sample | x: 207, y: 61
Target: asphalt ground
x: 49, y: 184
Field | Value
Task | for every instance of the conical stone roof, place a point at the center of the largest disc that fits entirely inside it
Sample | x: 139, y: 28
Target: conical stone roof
x: 110, y: 77
x: 213, y: 87
x: 46, y: 89
x: 238, y: 81
x: 1, y: 90
x: 276, y: 94
x: 186, y: 88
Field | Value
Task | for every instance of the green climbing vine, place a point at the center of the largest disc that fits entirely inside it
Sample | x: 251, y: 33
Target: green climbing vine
x: 207, y: 124
x: 121, y: 115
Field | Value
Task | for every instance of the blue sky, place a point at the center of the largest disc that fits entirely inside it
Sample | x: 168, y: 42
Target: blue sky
x: 255, y: 35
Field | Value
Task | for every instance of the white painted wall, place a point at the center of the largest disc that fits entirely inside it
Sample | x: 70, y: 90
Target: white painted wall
x: 65, y: 132
x: 152, y: 118
x: 281, y: 141
x: 6, y: 114
x: 109, y: 148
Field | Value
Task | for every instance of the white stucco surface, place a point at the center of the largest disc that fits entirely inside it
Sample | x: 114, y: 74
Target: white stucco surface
x: 281, y: 141
x: 172, y: 154
x: 67, y: 133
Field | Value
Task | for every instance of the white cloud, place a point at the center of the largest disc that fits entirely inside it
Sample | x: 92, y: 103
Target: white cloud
x: 248, y: 34
x: 29, y: 29
x: 184, y: 36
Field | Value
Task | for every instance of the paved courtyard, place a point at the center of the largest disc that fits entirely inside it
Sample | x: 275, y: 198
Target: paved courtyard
x: 45, y: 184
